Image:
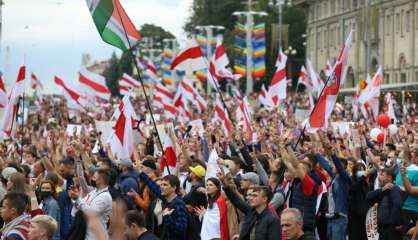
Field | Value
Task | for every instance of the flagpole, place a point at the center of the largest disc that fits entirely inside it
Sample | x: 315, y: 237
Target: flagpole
x: 319, y: 97
x: 143, y: 89
x: 22, y: 126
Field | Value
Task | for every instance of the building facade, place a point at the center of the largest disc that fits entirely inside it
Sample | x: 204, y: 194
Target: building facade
x: 393, y: 38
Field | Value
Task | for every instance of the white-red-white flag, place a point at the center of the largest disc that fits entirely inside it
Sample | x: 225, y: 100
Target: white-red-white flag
x: 304, y: 79
x: 75, y: 100
x: 129, y: 81
x: 95, y: 83
x: 190, y: 58
x: 221, y: 114
x: 264, y: 98
x: 121, y: 141
x: 35, y: 83
x: 325, y: 105
x: 168, y: 160
x: 390, y: 102
x: 11, y: 109
x: 244, y: 114
x: 277, y: 89
x: 3, y: 95
x: 181, y: 105
x: 151, y: 71
x: 217, y: 66
x: 328, y: 68
x: 191, y: 94
x: 371, y: 94
x: 317, y: 83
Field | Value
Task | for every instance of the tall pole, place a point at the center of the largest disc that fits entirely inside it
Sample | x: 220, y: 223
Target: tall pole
x: 249, y: 29
x: 280, y: 24
x: 368, y: 48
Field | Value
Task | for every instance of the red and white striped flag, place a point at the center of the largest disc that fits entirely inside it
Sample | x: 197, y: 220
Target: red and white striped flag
x: 328, y: 68
x: 11, y: 109
x: 95, y: 83
x: 323, y: 109
x: 264, y: 98
x: 75, y: 100
x: 277, y: 89
x: 168, y: 160
x: 161, y: 92
x: 190, y: 58
x: 390, y: 106
x: 121, y: 141
x: 35, y: 83
x: 304, y: 79
x: 129, y: 81
x: 151, y: 71
x: 244, y: 114
x: 192, y: 95
x: 222, y: 114
x: 179, y: 102
x: 317, y: 83
x: 217, y: 67
x: 371, y: 94
x: 3, y: 95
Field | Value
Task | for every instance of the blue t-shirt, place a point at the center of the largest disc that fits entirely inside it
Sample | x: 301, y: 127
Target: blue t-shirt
x: 411, y: 202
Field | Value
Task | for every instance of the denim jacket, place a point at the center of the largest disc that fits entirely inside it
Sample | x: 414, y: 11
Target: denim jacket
x: 340, y: 183
x: 50, y: 207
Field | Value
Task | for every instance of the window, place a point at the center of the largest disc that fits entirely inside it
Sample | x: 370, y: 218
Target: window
x: 318, y: 11
x: 398, y: 22
x: 386, y: 78
x: 403, y: 77
x: 317, y: 40
x: 355, y: 4
x: 332, y: 3
x: 408, y: 21
x: 325, y: 11
x: 354, y: 31
x: 387, y: 23
x: 402, y: 23
x: 416, y: 19
x: 326, y: 39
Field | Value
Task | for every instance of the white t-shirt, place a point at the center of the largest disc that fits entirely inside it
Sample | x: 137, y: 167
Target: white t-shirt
x: 211, y: 227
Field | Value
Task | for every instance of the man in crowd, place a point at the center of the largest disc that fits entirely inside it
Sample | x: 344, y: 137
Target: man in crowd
x: 291, y: 221
x: 135, y: 227
x: 16, y: 220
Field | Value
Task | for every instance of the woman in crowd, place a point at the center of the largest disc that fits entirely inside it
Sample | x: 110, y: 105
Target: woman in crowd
x: 42, y: 227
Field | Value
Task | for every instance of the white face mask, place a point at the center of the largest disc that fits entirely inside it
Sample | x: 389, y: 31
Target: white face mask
x: 359, y: 174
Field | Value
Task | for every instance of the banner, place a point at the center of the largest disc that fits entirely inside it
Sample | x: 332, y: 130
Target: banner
x: 371, y: 224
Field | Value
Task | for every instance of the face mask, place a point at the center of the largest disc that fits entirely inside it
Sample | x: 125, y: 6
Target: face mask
x: 359, y: 174
x: 93, y: 183
x: 45, y: 194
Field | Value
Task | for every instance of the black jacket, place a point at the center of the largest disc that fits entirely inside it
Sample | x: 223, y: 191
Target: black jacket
x: 267, y: 224
x: 389, y: 209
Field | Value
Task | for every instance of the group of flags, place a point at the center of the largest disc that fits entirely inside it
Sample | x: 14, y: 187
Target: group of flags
x: 116, y: 29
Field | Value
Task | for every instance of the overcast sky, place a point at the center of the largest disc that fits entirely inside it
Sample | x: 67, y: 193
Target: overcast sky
x: 50, y: 36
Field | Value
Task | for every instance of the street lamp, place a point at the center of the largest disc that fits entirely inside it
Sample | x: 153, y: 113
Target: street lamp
x: 279, y: 4
x: 249, y: 28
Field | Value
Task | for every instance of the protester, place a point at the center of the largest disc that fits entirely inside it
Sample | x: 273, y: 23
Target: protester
x: 291, y: 221
x: 13, y: 213
x: 50, y: 206
x: 135, y: 227
x: 42, y: 227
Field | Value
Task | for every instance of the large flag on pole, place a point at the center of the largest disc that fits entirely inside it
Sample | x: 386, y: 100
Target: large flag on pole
x: 277, y: 89
x: 121, y: 141
x: 113, y: 23
x: 370, y: 95
x: 35, y: 83
x: 323, y: 109
x: 75, y: 100
x: 11, y: 109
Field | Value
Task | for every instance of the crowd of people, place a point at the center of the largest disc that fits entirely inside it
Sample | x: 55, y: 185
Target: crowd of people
x: 276, y: 184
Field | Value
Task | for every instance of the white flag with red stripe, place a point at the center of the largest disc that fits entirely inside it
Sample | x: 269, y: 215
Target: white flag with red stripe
x: 264, y: 98
x: 222, y: 115
x: 121, y: 141
x: 371, y: 94
x: 75, y: 100
x: 323, y: 109
x: 390, y: 106
x: 181, y: 105
x: 168, y: 160
x: 244, y: 114
x: 129, y: 81
x: 328, y: 68
x: 304, y: 79
x: 151, y: 71
x: 315, y: 80
x: 35, y: 83
x: 277, y: 89
x: 95, y: 83
x: 11, y: 109
x: 192, y: 95
x: 217, y: 67
x: 3, y: 95
x: 190, y: 58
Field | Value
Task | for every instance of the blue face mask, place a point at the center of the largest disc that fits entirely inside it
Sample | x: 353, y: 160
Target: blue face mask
x: 359, y: 174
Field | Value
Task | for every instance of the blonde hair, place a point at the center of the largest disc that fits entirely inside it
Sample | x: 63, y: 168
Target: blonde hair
x: 46, y: 222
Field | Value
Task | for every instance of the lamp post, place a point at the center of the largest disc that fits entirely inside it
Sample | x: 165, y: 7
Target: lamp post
x: 209, y: 30
x: 279, y: 4
x: 248, y: 37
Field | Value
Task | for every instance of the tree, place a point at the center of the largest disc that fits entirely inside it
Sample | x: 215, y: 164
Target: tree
x: 111, y: 73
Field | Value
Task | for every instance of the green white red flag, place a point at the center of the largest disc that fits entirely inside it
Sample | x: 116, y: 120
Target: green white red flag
x: 113, y: 23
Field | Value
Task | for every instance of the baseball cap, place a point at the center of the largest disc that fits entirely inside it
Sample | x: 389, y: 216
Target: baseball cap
x: 150, y: 164
x: 198, y: 170
x: 126, y: 162
x: 251, y: 176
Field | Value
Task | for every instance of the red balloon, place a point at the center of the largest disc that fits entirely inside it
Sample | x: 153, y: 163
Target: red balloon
x: 383, y: 120
x: 380, y: 138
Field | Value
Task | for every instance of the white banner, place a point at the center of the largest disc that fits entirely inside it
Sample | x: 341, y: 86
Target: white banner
x: 371, y: 223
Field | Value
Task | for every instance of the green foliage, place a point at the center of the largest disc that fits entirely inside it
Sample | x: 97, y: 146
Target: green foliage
x: 151, y: 30
x: 111, y: 73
